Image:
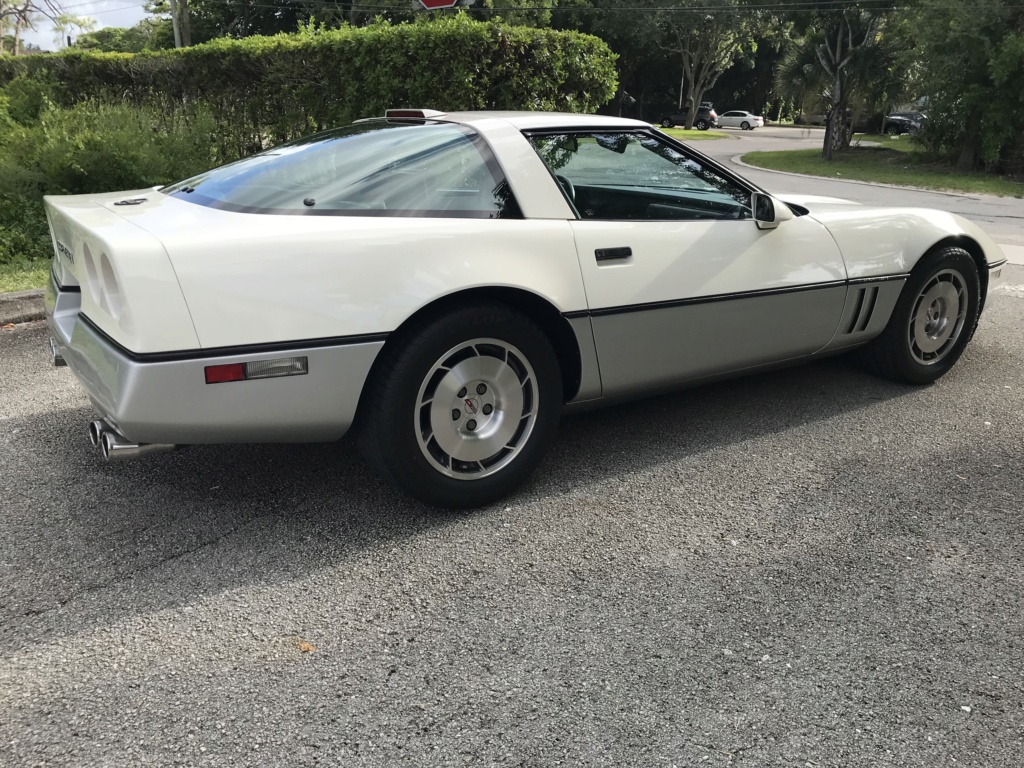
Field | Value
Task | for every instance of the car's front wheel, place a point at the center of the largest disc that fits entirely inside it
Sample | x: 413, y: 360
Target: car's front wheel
x: 460, y: 412
x: 932, y: 322
x: 666, y: 122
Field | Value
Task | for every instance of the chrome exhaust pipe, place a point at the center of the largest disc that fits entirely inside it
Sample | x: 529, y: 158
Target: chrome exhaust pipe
x: 117, y: 447
x: 96, y: 430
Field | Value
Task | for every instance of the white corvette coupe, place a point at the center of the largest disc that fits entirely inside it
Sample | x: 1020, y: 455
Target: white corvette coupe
x: 443, y: 285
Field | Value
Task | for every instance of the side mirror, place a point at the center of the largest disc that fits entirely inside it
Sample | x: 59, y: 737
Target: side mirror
x: 768, y: 213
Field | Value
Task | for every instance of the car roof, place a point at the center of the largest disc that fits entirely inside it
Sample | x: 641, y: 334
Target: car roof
x: 526, y: 121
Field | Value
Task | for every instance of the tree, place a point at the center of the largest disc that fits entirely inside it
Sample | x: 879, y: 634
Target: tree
x: 969, y: 63
x: 837, y: 56
x: 64, y: 24
x: 529, y: 13
x: 19, y: 15
x: 142, y: 37
x: 707, y: 41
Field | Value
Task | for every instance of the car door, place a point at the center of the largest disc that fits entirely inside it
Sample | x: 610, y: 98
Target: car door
x: 730, y: 120
x: 681, y: 282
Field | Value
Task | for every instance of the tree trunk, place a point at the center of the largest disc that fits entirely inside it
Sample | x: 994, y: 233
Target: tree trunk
x: 970, y: 153
x: 826, y: 148
x: 186, y: 27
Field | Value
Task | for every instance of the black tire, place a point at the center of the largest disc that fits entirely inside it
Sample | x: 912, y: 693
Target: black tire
x: 893, y: 130
x: 745, y: 125
x: 933, y: 320
x: 401, y: 428
x: 666, y: 122
x: 702, y: 125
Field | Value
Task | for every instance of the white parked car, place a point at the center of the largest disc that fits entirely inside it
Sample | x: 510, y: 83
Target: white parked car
x: 740, y: 119
x: 445, y: 285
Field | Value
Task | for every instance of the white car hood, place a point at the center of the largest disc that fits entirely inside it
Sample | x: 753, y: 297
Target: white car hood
x: 817, y: 203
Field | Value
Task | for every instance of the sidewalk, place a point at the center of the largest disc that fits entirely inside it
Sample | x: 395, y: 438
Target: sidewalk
x: 21, y: 306
x: 1014, y: 253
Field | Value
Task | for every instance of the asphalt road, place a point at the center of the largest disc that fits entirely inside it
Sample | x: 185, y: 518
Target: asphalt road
x: 1001, y: 217
x: 812, y: 567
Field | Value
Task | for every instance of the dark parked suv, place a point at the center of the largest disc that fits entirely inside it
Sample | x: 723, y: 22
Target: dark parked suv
x: 904, y: 122
x: 706, y: 118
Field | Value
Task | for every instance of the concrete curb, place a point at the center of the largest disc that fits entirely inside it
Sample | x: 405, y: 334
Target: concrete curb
x: 22, y: 306
x: 738, y: 160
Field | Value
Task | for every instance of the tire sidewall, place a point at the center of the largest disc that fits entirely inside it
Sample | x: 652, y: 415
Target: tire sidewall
x: 403, y: 461
x: 897, y: 332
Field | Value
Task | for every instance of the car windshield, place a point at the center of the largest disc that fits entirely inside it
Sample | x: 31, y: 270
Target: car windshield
x: 375, y: 168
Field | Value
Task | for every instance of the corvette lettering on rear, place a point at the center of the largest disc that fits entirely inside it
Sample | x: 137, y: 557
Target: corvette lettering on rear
x: 64, y: 251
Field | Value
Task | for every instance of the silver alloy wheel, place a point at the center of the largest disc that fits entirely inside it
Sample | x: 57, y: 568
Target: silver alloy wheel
x: 938, y: 317
x: 476, y: 408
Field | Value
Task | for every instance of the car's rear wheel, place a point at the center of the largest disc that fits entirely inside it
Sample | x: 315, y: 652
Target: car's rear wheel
x: 892, y: 130
x: 932, y: 322
x: 458, y: 414
x: 702, y: 125
x: 666, y: 122
x: 745, y: 125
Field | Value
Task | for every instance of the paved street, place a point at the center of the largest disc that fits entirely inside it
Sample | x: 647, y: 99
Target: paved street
x: 1001, y: 217
x: 812, y: 567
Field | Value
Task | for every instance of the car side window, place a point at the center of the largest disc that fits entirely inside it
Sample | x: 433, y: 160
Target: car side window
x: 630, y: 176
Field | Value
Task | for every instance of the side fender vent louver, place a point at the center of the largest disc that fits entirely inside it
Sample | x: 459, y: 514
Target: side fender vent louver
x: 864, y: 308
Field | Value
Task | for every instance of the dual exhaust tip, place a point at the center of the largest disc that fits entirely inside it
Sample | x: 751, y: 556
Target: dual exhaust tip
x: 116, y: 446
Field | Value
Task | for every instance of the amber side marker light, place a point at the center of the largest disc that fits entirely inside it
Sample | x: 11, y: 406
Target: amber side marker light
x: 257, y: 369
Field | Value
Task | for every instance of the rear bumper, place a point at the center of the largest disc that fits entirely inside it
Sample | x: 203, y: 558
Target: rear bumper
x: 169, y: 401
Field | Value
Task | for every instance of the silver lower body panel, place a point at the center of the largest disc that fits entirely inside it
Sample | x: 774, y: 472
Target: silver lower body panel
x: 170, y: 402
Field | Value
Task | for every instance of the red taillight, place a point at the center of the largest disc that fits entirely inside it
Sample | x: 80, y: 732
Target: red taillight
x: 257, y: 369
x: 217, y: 374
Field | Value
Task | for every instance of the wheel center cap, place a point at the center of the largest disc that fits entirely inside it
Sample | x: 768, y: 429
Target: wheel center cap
x: 472, y: 405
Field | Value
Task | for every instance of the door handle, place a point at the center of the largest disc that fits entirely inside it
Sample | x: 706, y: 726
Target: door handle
x: 610, y: 254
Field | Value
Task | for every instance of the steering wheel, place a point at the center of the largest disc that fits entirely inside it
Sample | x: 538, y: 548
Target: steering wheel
x: 567, y: 186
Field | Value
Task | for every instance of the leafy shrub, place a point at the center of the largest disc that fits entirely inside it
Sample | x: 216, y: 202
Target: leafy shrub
x: 262, y: 90
x: 91, y: 148
x: 25, y: 98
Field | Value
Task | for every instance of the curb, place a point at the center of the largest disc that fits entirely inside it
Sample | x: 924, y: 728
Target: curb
x: 738, y: 160
x: 22, y: 306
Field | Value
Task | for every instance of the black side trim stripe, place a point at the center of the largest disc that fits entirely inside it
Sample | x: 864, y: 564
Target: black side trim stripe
x: 246, y: 349
x: 713, y: 299
x: 996, y: 264
x: 627, y: 308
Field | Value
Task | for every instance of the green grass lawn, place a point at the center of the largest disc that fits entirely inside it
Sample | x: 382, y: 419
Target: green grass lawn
x: 694, y: 135
x: 21, y: 277
x: 893, y: 160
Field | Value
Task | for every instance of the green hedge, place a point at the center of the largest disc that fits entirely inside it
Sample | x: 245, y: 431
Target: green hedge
x: 262, y: 90
x: 90, y: 147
